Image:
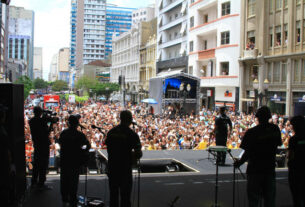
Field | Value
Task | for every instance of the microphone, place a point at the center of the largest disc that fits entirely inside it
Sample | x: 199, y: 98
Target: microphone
x: 134, y: 123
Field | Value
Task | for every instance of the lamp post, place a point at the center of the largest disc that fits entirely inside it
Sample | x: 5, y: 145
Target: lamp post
x: 262, y: 93
x: 184, y: 91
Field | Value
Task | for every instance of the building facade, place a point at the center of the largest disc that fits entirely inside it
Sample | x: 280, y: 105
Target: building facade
x: 143, y: 14
x: 37, y: 64
x: 4, y: 10
x: 88, y: 21
x: 214, y: 36
x: 21, y: 36
x: 172, y: 35
x: 63, y: 64
x: 272, y: 56
x: 126, y: 56
x: 118, y: 20
x: 53, y: 68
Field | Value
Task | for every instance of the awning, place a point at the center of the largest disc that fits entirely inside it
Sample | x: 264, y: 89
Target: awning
x: 160, y: 21
x: 160, y: 4
x: 183, y: 28
x: 183, y: 8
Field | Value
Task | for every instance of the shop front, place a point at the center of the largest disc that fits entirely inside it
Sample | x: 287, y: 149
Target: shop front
x: 226, y: 96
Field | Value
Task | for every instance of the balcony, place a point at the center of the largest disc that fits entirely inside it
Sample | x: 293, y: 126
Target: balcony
x: 170, y: 6
x: 173, y: 42
x: 250, y: 53
x: 224, y: 80
x: 172, y: 63
x: 173, y: 23
x: 206, y: 54
x: 200, y: 4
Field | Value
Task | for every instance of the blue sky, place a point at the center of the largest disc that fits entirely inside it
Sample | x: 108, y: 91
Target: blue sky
x: 52, y: 23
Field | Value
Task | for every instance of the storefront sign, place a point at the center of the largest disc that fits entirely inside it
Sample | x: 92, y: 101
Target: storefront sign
x: 275, y: 98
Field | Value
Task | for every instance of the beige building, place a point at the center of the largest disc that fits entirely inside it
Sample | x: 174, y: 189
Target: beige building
x: 147, y: 65
x: 272, y: 55
x: 97, y: 69
x: 37, y: 64
x: 63, y: 64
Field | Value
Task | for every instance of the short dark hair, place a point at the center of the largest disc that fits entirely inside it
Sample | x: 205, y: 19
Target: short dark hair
x: 298, y: 123
x: 73, y: 121
x: 263, y: 114
x: 37, y: 110
x: 125, y: 116
x: 222, y: 109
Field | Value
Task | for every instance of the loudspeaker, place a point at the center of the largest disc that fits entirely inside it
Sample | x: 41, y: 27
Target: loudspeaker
x: 11, y: 96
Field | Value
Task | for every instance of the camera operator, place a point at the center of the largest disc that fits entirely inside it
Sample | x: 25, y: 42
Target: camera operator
x: 122, y: 145
x: 260, y: 144
x: 40, y: 136
x: 72, y: 156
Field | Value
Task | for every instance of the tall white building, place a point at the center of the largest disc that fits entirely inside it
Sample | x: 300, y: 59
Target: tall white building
x: 53, y: 68
x: 143, y: 14
x: 172, y: 35
x: 214, y: 41
x: 37, y: 63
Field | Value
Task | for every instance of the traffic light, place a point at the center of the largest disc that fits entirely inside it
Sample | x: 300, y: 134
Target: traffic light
x: 120, y: 80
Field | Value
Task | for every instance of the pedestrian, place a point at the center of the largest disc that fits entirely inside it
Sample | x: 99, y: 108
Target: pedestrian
x: 222, y: 123
x: 296, y: 161
x: 123, y: 146
x: 72, y: 156
x: 40, y: 136
x: 260, y: 145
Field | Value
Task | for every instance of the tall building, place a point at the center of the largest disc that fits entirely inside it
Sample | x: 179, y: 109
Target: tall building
x: 21, y: 36
x: 4, y: 10
x: 214, y: 36
x: 126, y: 56
x: 53, y: 68
x: 172, y: 35
x: 118, y: 20
x: 37, y: 68
x: 88, y: 21
x: 272, y: 63
x: 143, y: 14
x: 63, y: 64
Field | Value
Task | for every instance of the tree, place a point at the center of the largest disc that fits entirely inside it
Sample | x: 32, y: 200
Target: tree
x: 27, y: 83
x: 59, y: 85
x: 105, y: 88
x: 85, y: 83
x: 39, y: 83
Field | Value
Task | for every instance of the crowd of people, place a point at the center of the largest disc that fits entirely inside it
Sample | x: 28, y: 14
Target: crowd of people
x: 166, y: 132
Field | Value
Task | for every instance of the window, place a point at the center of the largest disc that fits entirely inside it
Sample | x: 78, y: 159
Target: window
x: 284, y: 72
x: 285, y: 3
x: 276, y: 72
x: 170, y: 37
x: 304, y: 29
x: 270, y: 37
x: 251, y: 7
x: 254, y: 73
x: 270, y: 5
x: 303, y: 71
x: 192, y: 1
x: 269, y: 72
x: 298, y: 31
x: 206, y: 18
x: 191, y: 46
x: 278, y: 4
x: 278, y: 34
x: 192, y: 22
x: 191, y: 70
x: 176, y: 16
x: 285, y: 38
x: 298, y: 1
x: 225, y: 8
x: 224, y: 67
x: 251, y: 40
x: 225, y: 38
x: 205, y: 45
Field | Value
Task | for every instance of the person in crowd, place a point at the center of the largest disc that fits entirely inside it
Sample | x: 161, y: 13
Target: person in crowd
x: 222, y: 123
x: 260, y: 145
x: 296, y: 161
x: 40, y: 136
x: 123, y: 145
x: 72, y: 156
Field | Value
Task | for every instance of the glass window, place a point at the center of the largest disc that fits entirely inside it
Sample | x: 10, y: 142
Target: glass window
x: 192, y: 22
x: 191, y: 46
x: 278, y: 35
x: 285, y: 3
x: 285, y: 38
x: 298, y: 1
x: 254, y: 73
x: 224, y: 67
x: 304, y: 29
x: 270, y: 37
x: 225, y: 8
x: 269, y: 74
x: 270, y: 5
x: 191, y: 70
x: 251, y: 40
x: 298, y: 31
x: 278, y: 4
x: 225, y: 38
x: 251, y: 7
x: 284, y: 72
x: 276, y: 72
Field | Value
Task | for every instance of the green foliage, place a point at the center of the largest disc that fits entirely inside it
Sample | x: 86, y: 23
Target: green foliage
x: 28, y: 84
x: 78, y: 99
x: 105, y: 88
x: 85, y: 83
x: 39, y: 83
x: 59, y: 85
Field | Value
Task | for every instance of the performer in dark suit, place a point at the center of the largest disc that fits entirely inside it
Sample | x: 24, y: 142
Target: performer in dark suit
x: 72, y: 156
x: 222, y: 122
x: 122, y: 145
